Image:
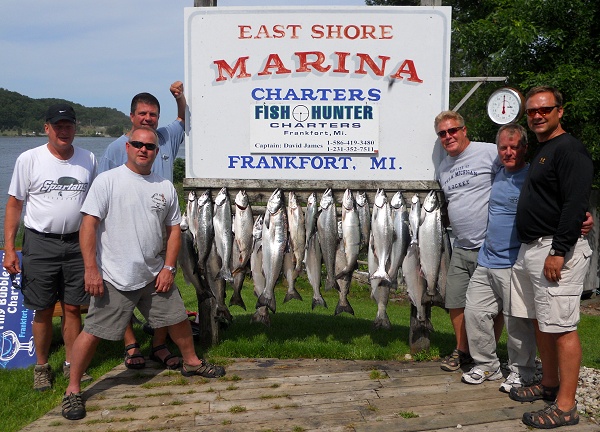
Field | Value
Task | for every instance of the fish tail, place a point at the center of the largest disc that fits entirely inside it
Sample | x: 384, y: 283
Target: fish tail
x: 261, y: 316
x: 291, y: 295
x: 236, y: 300
x: 344, y: 272
x: 225, y: 274
x: 381, y: 274
x: 319, y: 301
x: 343, y: 308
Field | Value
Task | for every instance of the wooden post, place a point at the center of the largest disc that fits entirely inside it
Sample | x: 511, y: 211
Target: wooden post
x: 418, y: 335
x: 209, y: 327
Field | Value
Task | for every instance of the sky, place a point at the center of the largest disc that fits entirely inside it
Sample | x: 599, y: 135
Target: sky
x: 102, y: 53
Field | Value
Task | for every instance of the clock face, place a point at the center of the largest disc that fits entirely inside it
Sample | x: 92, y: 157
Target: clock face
x: 505, y: 105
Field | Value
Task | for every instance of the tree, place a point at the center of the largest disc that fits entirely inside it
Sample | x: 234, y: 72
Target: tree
x: 532, y: 42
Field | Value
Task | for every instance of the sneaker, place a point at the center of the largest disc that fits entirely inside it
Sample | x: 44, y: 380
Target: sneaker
x: 514, y: 379
x: 67, y: 373
x: 42, y: 377
x: 73, y: 407
x: 455, y: 360
x: 476, y: 375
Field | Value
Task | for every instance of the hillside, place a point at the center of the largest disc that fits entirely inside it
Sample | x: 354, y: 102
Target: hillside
x: 21, y: 114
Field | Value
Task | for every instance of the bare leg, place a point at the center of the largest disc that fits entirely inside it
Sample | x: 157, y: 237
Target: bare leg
x: 457, y: 316
x: 569, y: 359
x: 160, y: 338
x: 71, y: 327
x: 84, y: 348
x: 42, y: 334
x: 181, y: 333
x: 498, y: 325
x: 547, y: 348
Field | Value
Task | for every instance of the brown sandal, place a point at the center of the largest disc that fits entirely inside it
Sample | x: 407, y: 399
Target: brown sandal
x: 205, y: 369
x: 533, y: 393
x: 551, y: 417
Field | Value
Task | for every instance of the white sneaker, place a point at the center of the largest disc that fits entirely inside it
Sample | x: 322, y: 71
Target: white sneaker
x: 513, y: 380
x: 477, y: 376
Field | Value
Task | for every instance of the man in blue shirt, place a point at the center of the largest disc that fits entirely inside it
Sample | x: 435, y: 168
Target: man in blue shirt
x: 489, y: 292
x: 145, y: 111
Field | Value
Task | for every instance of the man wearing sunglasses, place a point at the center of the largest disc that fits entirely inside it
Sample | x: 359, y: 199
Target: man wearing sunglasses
x: 129, y: 216
x: 145, y: 111
x: 553, y: 259
x: 465, y: 175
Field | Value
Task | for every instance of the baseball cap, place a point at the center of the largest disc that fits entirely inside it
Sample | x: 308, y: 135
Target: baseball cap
x: 59, y: 112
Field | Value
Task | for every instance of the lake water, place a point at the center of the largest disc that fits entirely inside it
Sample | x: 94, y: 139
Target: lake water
x: 12, y: 147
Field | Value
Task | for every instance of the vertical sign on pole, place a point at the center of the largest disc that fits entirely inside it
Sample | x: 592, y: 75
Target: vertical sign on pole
x: 16, y: 337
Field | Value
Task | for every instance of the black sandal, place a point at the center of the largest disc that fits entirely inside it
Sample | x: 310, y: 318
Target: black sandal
x: 533, y: 392
x: 206, y: 370
x: 165, y: 361
x: 129, y: 357
x: 551, y: 417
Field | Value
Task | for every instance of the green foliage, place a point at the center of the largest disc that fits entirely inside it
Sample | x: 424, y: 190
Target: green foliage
x: 531, y: 42
x: 178, y: 170
x: 23, y: 114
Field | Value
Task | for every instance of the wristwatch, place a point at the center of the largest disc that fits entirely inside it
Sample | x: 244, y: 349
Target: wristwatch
x: 173, y: 270
x: 554, y: 252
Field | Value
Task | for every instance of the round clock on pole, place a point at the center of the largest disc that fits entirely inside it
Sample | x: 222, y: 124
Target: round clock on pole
x: 505, y: 105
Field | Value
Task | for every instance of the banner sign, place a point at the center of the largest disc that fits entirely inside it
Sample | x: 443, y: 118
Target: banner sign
x: 16, y: 343
x: 328, y: 93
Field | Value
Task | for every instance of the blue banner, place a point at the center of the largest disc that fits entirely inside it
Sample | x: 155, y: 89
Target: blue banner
x: 16, y: 344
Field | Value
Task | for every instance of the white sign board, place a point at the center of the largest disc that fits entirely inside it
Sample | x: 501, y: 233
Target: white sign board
x: 332, y: 93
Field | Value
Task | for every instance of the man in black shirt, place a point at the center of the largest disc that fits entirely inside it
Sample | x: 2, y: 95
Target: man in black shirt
x: 554, y: 258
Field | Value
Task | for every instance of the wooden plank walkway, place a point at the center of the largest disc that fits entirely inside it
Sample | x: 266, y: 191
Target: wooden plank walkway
x: 297, y: 395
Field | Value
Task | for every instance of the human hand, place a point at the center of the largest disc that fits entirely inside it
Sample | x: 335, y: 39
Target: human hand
x: 94, y: 285
x: 164, y: 280
x: 587, y: 225
x: 552, y: 267
x: 11, y: 262
x: 177, y: 89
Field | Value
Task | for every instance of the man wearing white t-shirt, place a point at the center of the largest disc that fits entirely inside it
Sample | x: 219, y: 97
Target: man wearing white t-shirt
x: 50, y: 182
x: 130, y: 215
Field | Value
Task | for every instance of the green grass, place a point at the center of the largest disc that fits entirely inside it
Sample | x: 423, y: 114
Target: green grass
x: 296, y: 331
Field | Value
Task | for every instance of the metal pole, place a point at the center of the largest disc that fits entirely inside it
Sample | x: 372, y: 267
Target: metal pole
x: 203, y: 3
x: 431, y: 2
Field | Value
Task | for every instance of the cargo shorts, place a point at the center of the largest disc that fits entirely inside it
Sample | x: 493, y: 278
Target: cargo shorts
x: 555, y: 305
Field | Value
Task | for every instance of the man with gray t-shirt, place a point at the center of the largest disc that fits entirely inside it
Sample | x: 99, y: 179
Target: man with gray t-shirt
x: 466, y: 176
x: 128, y: 217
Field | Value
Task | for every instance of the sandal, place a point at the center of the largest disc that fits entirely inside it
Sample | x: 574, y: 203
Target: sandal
x: 455, y: 360
x: 129, y: 357
x: 533, y: 393
x: 206, y: 369
x: 165, y: 360
x: 551, y: 417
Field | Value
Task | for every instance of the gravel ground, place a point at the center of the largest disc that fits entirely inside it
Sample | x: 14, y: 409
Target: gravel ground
x: 588, y: 393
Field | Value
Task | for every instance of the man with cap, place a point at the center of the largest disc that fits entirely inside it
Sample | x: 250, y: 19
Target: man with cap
x: 51, y: 181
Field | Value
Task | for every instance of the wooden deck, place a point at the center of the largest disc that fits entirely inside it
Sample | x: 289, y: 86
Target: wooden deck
x: 297, y: 395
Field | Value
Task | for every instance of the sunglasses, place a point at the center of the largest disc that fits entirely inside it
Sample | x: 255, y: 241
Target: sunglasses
x: 450, y: 131
x: 543, y: 111
x: 139, y: 145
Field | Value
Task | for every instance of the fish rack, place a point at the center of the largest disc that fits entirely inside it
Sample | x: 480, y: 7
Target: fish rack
x: 259, y: 191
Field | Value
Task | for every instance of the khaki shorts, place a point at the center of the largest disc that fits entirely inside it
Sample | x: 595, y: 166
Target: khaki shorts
x: 555, y: 305
x: 109, y: 315
x: 462, y: 266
